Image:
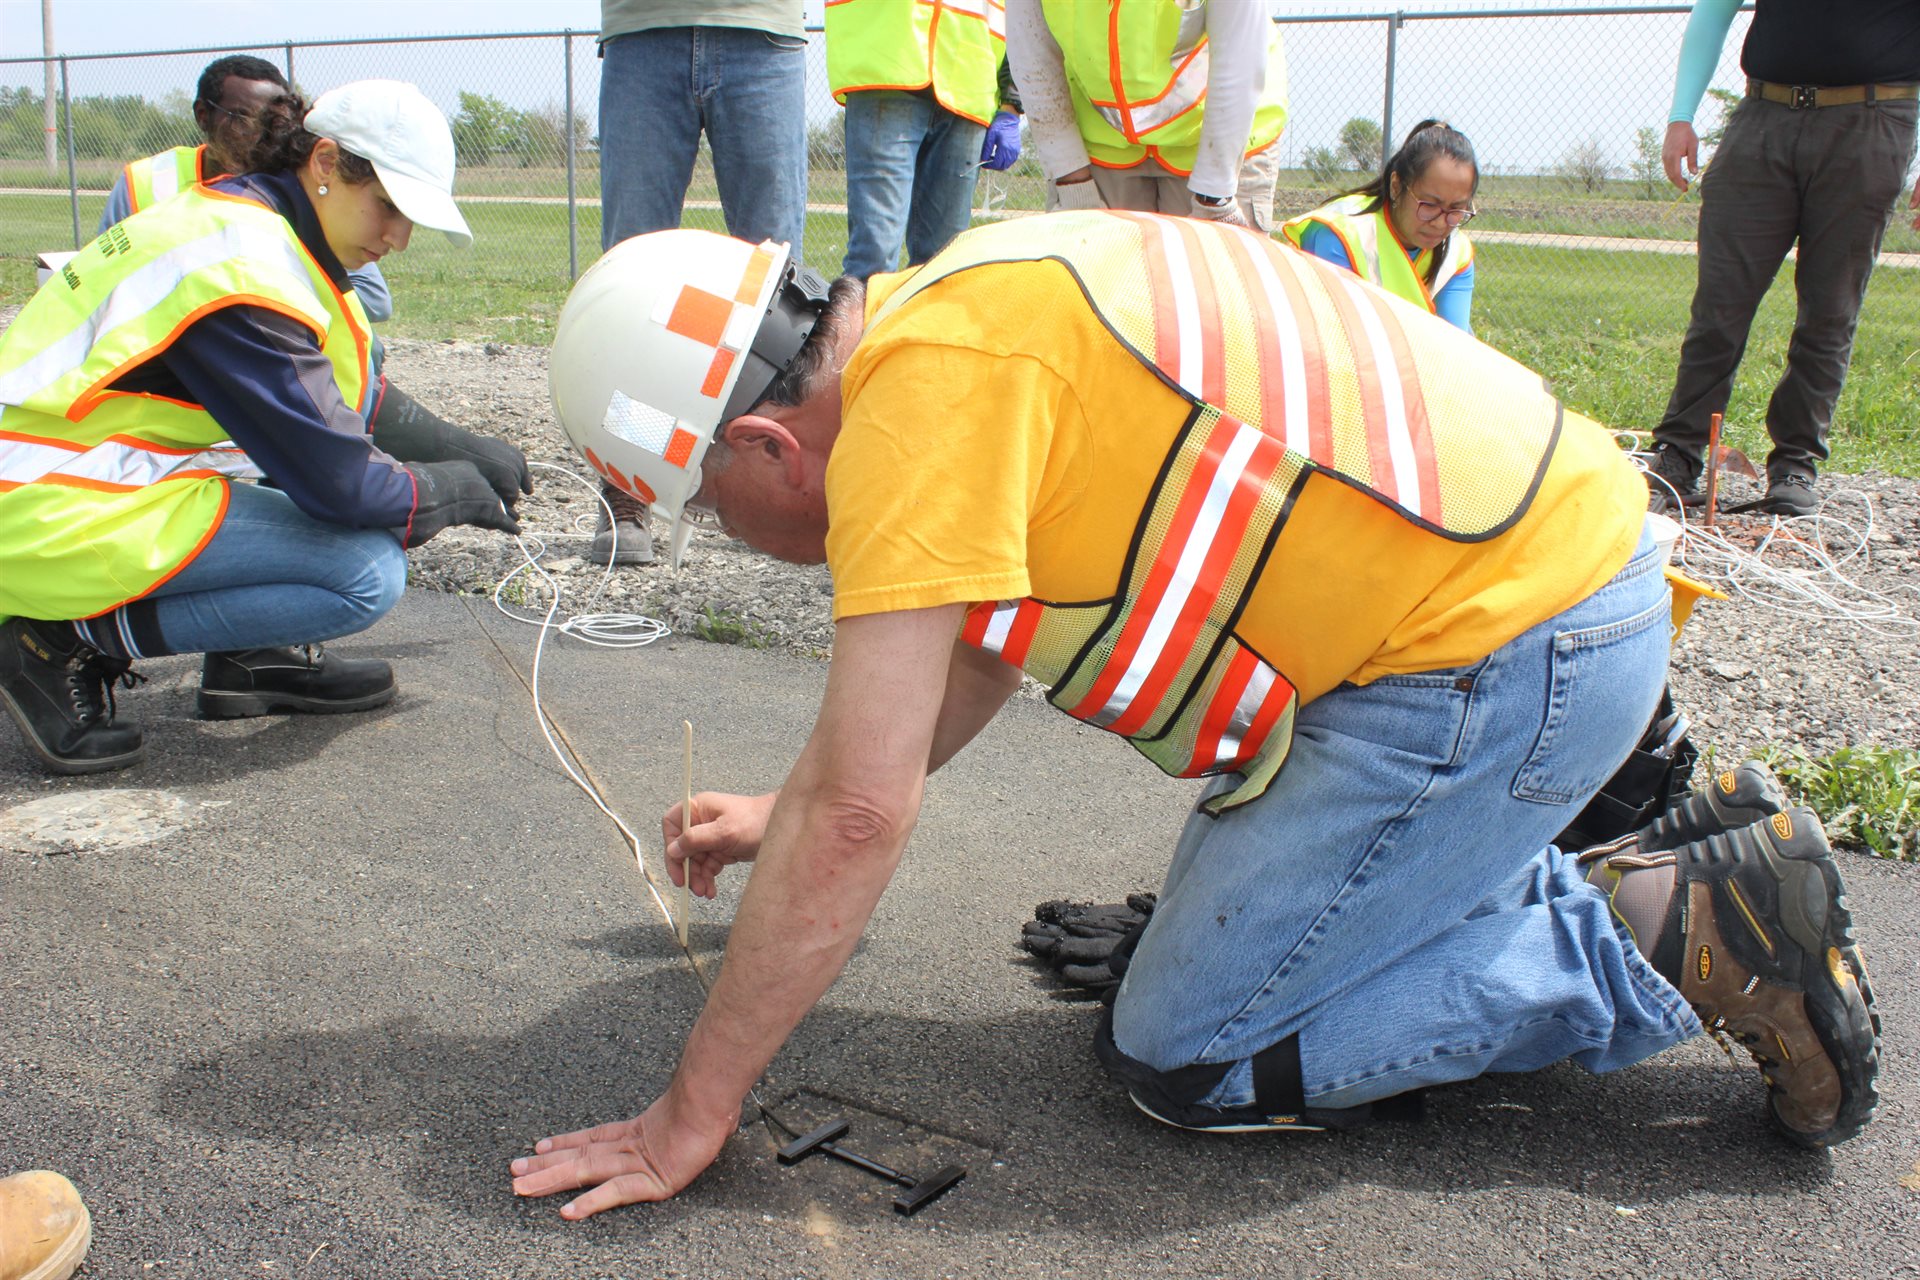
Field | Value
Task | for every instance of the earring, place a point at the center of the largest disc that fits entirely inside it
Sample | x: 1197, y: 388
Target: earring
x: 323, y: 188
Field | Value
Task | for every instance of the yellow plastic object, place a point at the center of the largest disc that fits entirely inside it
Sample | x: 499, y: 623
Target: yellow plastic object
x: 1686, y: 592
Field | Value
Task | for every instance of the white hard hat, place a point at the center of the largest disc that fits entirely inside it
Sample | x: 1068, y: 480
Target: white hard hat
x: 666, y: 338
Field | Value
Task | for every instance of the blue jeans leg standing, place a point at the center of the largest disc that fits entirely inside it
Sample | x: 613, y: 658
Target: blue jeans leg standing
x: 745, y: 88
x: 911, y: 169
x: 1393, y: 898
x: 272, y: 575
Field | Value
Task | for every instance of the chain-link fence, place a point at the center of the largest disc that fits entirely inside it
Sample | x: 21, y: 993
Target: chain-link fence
x: 1565, y: 107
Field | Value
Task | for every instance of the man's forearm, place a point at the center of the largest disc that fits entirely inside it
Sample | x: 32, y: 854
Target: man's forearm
x: 831, y: 844
x: 804, y: 908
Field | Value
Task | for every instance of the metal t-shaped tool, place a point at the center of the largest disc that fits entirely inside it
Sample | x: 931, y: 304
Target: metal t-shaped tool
x: 918, y: 1193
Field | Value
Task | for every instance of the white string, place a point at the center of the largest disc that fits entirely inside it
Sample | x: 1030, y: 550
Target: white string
x: 1797, y: 566
x: 609, y: 630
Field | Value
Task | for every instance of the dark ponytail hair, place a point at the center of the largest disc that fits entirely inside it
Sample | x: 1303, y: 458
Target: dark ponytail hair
x: 281, y: 142
x: 1426, y: 141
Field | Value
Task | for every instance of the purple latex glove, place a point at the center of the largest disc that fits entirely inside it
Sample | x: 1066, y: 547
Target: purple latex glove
x: 1001, y: 148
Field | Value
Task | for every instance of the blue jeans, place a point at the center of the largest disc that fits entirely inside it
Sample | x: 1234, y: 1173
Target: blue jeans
x: 911, y: 166
x: 272, y: 575
x: 747, y: 89
x: 1393, y: 897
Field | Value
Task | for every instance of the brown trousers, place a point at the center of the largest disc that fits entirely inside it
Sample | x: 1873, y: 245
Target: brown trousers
x: 1829, y: 178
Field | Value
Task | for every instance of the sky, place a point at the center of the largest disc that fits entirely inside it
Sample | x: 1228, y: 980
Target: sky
x: 1525, y: 89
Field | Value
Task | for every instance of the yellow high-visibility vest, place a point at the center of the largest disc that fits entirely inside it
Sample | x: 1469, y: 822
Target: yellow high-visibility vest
x: 1377, y: 252
x: 1137, y: 71
x: 1289, y: 367
x: 954, y: 46
x: 106, y: 494
x: 155, y: 178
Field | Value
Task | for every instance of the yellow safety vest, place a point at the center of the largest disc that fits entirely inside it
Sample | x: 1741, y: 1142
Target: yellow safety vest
x: 1137, y: 72
x: 153, y: 179
x: 1377, y: 252
x: 106, y: 494
x: 953, y: 45
x: 1291, y: 367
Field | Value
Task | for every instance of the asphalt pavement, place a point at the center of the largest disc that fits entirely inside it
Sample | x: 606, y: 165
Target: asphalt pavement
x: 286, y: 999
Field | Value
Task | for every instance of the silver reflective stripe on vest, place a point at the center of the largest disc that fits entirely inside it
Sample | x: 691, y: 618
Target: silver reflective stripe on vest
x: 1293, y: 358
x: 1185, y: 89
x: 1259, y: 684
x: 116, y: 463
x: 144, y: 289
x: 163, y: 172
x: 995, y: 14
x: 1186, y: 576
x: 1393, y: 401
x: 1366, y: 230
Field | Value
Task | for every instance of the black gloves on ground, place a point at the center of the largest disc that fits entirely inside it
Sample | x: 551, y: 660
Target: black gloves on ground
x: 1088, y: 945
x: 410, y: 432
x: 450, y: 493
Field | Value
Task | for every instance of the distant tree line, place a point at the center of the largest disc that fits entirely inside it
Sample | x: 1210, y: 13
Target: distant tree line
x: 105, y: 126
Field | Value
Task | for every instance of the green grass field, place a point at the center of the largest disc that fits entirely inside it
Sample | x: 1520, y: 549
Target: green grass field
x: 1604, y: 328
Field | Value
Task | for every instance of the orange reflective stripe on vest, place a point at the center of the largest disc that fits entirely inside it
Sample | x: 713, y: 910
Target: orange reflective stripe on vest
x: 1003, y: 628
x: 1211, y: 520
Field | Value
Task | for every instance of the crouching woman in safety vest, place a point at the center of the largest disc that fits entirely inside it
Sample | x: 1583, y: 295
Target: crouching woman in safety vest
x: 1402, y: 229
x: 210, y: 339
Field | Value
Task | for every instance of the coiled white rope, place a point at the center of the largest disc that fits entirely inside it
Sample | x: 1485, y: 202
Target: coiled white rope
x: 1798, y: 564
x: 609, y: 630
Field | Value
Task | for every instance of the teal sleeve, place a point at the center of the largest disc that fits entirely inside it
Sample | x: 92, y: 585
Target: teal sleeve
x: 1700, y: 54
x: 1322, y: 243
x: 1454, y: 302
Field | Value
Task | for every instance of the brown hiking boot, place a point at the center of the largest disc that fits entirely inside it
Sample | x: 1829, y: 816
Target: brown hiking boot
x: 1759, y: 941
x: 625, y: 539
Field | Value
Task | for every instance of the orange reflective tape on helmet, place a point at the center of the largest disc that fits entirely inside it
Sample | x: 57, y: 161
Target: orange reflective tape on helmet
x: 662, y: 341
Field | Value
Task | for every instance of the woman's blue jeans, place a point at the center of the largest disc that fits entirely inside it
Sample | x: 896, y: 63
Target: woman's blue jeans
x: 272, y: 575
x: 1394, y: 899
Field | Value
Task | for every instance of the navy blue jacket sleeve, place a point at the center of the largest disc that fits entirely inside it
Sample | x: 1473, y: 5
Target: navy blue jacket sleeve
x: 263, y: 378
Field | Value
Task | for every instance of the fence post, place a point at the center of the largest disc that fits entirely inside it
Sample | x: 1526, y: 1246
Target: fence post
x: 573, y: 204
x: 73, y: 182
x: 1386, y: 110
x: 289, y: 62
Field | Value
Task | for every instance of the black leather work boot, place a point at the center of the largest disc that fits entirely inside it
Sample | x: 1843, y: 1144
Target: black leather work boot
x: 254, y: 682
x: 59, y: 690
x: 1733, y: 798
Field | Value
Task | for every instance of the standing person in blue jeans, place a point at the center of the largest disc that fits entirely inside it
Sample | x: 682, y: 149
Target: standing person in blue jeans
x: 930, y: 103
x: 734, y: 70
x: 208, y: 339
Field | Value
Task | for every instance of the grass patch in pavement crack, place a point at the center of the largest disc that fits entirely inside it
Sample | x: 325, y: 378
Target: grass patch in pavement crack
x: 1864, y: 795
x: 723, y: 626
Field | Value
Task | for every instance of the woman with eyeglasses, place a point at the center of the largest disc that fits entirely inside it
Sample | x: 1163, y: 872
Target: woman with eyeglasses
x: 1402, y: 229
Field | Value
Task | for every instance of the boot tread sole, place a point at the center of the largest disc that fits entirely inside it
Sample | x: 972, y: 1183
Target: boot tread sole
x: 220, y: 704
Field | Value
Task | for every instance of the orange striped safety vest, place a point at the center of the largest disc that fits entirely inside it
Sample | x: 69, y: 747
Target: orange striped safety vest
x: 1290, y: 367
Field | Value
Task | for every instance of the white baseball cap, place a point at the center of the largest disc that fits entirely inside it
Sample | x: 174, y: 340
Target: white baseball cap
x: 393, y: 125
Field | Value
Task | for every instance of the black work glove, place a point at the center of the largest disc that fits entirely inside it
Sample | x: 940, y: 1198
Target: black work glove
x: 408, y: 431
x: 450, y: 493
x: 1088, y: 945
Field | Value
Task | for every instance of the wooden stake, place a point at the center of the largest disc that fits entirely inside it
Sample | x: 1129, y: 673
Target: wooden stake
x: 1713, y: 466
x: 686, y: 824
